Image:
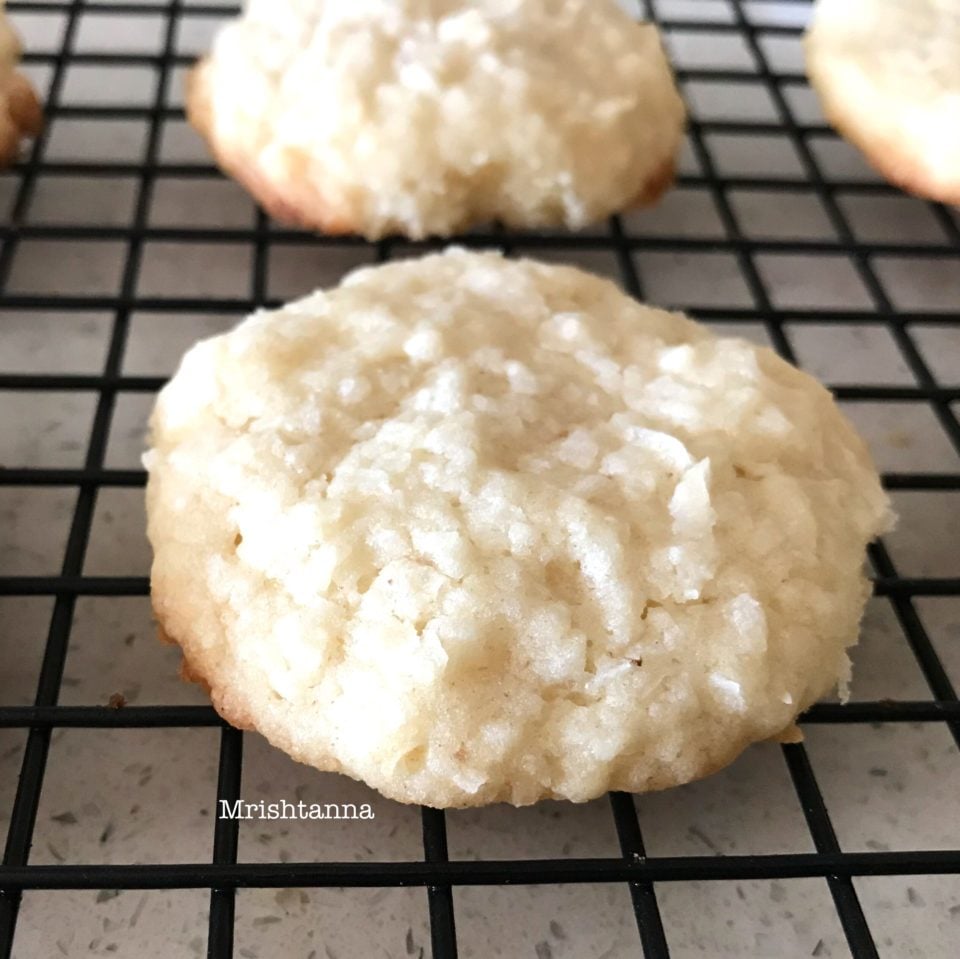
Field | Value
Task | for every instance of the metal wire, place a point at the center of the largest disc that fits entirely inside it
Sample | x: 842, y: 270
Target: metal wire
x: 436, y: 873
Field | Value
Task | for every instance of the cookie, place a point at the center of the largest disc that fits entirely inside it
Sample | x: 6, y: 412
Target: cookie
x: 473, y: 529
x: 20, y: 112
x: 419, y: 118
x: 888, y: 76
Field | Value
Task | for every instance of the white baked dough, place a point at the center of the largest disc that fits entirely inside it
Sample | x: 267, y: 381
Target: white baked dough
x: 475, y: 529
x: 888, y: 76
x: 425, y: 116
x: 20, y: 112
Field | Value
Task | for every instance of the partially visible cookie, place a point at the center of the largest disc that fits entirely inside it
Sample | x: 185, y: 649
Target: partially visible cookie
x: 474, y: 529
x: 419, y: 117
x: 20, y: 112
x: 888, y: 76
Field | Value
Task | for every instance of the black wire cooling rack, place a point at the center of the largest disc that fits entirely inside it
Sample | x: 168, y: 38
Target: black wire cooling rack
x: 744, y: 24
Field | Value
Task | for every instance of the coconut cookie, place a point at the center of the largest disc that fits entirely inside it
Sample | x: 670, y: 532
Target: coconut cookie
x: 473, y: 529
x: 416, y: 117
x: 20, y: 112
x: 888, y: 76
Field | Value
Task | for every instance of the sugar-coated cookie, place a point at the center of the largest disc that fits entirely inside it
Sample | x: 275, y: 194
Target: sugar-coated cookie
x: 475, y: 529
x: 20, y: 112
x: 888, y: 76
x: 427, y: 116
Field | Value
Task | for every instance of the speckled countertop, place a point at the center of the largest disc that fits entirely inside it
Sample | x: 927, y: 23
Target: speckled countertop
x: 136, y: 796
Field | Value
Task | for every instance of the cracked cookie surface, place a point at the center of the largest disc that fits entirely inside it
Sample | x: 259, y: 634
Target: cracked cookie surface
x: 425, y: 117
x: 474, y: 529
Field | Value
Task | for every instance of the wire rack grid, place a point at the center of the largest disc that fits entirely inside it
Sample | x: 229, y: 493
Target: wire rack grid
x: 771, y: 230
